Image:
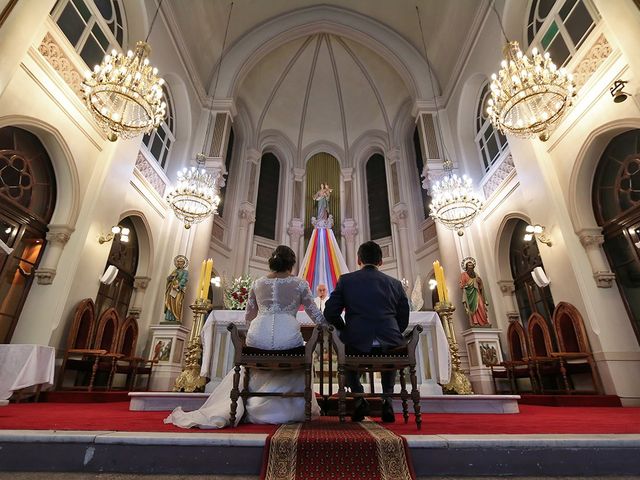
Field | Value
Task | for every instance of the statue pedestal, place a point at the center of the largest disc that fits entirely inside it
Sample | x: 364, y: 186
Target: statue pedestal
x: 167, y: 345
x: 483, y: 349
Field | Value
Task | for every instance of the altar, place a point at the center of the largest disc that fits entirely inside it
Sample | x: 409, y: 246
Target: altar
x: 433, y: 368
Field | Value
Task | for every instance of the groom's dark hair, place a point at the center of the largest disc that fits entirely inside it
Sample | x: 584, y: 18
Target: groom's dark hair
x: 282, y: 259
x: 370, y: 253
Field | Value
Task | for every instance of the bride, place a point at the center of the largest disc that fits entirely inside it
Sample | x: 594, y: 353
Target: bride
x: 272, y: 325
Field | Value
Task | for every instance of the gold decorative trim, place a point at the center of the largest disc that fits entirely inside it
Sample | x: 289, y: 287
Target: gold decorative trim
x: 592, y: 60
x: 282, y: 453
x: 52, y: 52
x: 392, y: 460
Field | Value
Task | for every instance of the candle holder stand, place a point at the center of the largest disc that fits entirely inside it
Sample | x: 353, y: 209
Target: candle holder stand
x: 189, y: 379
x: 459, y: 383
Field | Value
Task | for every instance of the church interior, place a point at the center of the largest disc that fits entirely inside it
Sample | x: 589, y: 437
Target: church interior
x: 154, y: 153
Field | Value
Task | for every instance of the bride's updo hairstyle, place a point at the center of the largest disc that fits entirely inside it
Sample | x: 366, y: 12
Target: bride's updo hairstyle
x: 282, y: 259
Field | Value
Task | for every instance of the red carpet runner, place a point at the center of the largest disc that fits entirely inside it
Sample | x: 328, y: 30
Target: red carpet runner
x: 328, y: 449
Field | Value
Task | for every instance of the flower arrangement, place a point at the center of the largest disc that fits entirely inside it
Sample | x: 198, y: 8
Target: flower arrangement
x: 237, y: 294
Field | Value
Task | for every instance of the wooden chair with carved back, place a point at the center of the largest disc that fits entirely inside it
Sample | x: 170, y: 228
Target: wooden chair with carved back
x: 519, y: 366
x: 107, y: 337
x: 574, y: 350
x: 399, y: 358
x: 540, y: 351
x: 251, y: 359
x: 81, y: 355
x: 129, y: 364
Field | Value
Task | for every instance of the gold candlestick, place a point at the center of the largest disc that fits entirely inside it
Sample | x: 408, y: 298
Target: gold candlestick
x: 189, y: 379
x: 459, y: 383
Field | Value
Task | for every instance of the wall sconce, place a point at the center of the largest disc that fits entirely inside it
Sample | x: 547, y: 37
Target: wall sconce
x: 432, y: 284
x: 537, y: 231
x: 215, y: 281
x: 116, y: 230
x: 616, y: 91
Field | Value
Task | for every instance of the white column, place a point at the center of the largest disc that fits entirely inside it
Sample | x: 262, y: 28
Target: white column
x: 509, y: 300
x: 399, y: 218
x: 247, y: 214
x: 140, y: 285
x: 18, y: 32
x: 592, y: 240
x: 349, y: 232
x: 296, y: 231
x: 57, y: 238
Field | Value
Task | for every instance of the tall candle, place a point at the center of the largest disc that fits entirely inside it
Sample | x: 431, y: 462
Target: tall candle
x: 436, y: 270
x: 207, y: 279
x: 445, y: 290
x: 201, y: 279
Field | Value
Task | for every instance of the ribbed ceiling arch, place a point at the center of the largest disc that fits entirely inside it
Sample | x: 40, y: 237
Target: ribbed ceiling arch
x: 323, y: 88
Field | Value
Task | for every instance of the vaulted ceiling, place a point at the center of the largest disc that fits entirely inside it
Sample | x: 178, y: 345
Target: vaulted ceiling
x: 325, y: 85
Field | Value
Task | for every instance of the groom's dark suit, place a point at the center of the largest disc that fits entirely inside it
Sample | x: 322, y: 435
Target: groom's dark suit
x: 376, y: 311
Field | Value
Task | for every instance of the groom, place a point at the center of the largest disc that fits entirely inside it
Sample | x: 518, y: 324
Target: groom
x: 376, y: 313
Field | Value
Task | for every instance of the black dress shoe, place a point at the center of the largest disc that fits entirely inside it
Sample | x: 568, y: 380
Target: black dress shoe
x: 360, y: 410
x: 387, y: 412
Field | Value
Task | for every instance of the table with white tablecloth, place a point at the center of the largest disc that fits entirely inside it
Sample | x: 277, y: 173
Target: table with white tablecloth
x: 434, y: 363
x: 23, y: 366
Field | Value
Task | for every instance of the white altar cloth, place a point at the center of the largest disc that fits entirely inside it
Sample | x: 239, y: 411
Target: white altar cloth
x: 22, y: 366
x: 434, y: 361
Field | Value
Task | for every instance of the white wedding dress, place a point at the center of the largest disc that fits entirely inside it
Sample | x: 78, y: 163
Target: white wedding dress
x: 271, y: 309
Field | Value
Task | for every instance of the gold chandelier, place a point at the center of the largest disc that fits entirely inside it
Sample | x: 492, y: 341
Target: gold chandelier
x: 124, y: 93
x: 454, y: 203
x: 529, y: 96
x: 195, y: 196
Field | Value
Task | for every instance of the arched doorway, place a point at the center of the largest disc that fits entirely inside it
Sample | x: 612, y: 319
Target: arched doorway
x: 124, y: 256
x: 524, y: 256
x: 616, y: 204
x: 27, y: 200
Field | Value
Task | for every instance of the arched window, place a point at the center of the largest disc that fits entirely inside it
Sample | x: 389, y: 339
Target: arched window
x: 524, y: 257
x: 124, y: 256
x: 424, y: 193
x: 616, y: 203
x: 560, y: 26
x: 94, y: 27
x: 27, y: 200
x: 378, y: 198
x: 227, y: 166
x: 490, y: 141
x: 267, y: 203
x: 160, y: 140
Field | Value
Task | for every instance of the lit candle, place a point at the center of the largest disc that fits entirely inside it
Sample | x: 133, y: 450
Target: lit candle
x: 445, y: 290
x: 207, y: 279
x: 201, y: 279
x: 439, y: 280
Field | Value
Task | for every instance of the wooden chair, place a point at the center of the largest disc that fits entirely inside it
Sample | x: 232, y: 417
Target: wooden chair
x: 129, y: 364
x: 519, y: 366
x: 81, y: 355
x: 107, y: 336
x: 396, y: 359
x: 574, y: 351
x: 540, y: 349
x: 300, y: 358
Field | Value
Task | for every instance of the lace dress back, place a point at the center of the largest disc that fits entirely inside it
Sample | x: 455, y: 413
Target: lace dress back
x: 271, y: 311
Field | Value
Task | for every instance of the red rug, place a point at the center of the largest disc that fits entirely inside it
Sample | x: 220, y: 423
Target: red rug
x: 327, y: 448
x: 531, y: 419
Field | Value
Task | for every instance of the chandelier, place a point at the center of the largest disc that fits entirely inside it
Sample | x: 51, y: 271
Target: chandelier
x: 195, y: 196
x: 124, y: 93
x: 529, y: 96
x: 454, y: 203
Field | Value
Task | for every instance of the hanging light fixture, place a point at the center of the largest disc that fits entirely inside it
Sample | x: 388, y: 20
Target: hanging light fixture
x: 454, y: 203
x: 196, y: 195
x: 529, y: 96
x: 124, y: 93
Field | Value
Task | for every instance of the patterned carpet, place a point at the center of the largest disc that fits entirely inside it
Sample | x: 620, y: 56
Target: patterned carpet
x: 328, y: 449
